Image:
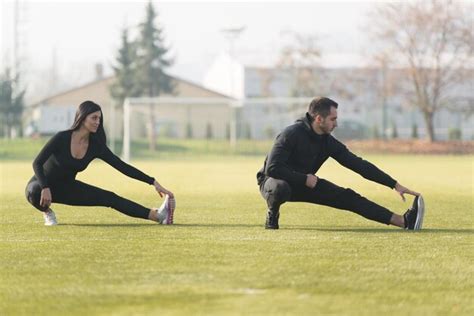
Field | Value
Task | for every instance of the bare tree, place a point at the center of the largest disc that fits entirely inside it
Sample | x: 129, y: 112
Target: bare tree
x: 433, y: 40
x: 387, y: 83
x: 301, y: 56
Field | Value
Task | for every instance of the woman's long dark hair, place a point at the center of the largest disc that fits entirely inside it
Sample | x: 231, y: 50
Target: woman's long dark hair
x: 84, y: 109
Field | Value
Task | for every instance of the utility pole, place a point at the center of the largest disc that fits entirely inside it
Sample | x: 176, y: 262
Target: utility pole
x: 16, y: 41
x: 231, y: 34
x: 384, y: 100
x: 382, y: 72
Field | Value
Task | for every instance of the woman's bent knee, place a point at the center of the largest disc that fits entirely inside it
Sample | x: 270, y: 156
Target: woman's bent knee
x: 33, y: 195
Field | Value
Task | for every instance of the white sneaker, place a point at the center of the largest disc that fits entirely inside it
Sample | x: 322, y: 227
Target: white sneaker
x: 166, y: 211
x: 50, y: 218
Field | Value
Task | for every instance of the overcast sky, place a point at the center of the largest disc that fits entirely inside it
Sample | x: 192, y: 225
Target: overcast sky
x: 74, y: 35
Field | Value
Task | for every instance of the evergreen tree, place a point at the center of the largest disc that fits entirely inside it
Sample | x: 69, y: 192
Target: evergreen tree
x: 124, y: 70
x: 152, y: 62
x: 11, y: 105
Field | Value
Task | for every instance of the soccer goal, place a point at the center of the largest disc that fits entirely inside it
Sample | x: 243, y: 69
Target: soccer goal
x: 208, y: 118
x: 178, y: 117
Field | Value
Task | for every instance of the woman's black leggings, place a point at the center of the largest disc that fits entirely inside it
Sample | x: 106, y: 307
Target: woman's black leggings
x: 276, y: 192
x: 75, y: 192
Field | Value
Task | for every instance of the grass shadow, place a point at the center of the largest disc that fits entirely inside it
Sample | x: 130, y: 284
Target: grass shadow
x: 385, y: 230
x: 155, y: 224
x: 106, y: 225
x: 364, y: 230
x: 219, y: 225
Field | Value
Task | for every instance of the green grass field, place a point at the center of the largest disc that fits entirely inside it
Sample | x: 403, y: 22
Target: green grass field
x: 218, y: 260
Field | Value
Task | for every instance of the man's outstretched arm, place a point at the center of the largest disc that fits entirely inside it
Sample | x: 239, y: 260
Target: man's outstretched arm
x: 402, y: 190
x: 366, y: 169
x: 342, y: 155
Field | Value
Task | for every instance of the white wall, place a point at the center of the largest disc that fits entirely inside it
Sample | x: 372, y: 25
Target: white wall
x: 226, y: 76
x: 51, y: 119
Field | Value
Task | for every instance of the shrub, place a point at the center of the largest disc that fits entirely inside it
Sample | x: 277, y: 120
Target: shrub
x: 414, y: 131
x: 454, y: 133
x: 189, y: 130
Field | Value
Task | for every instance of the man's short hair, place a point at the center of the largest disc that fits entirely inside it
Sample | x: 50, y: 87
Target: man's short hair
x: 321, y: 106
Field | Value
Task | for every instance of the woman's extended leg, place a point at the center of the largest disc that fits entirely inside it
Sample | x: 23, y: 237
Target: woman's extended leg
x: 82, y: 194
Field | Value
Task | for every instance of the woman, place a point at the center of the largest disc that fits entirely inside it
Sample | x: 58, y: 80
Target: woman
x: 70, y: 152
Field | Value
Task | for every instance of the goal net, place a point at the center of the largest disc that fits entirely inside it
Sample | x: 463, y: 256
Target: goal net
x: 208, y: 118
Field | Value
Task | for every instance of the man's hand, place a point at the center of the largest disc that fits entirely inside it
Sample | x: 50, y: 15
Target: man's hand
x: 46, y: 198
x: 161, y: 190
x: 402, y: 190
x: 311, y: 180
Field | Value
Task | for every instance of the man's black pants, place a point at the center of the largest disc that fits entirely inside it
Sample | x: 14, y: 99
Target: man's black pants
x: 75, y: 192
x: 276, y: 192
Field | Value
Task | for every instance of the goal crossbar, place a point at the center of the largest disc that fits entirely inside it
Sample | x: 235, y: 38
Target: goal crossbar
x: 197, y: 101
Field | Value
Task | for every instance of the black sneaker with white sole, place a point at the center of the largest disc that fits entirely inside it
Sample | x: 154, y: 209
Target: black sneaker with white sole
x: 272, y: 220
x: 414, y: 216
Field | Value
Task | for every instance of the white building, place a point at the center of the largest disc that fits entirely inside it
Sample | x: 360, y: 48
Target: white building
x: 47, y: 120
x: 56, y: 112
x: 357, y: 90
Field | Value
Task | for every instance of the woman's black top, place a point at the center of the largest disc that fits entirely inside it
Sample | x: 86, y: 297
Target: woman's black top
x: 55, y: 163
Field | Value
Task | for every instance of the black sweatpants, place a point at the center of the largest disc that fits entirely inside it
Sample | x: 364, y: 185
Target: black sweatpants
x: 276, y: 192
x: 75, y: 192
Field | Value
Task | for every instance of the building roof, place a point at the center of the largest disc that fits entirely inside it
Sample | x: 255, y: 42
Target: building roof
x: 110, y: 79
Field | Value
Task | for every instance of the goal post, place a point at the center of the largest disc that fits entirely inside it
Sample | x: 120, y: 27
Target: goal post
x: 179, y: 114
x: 207, y: 117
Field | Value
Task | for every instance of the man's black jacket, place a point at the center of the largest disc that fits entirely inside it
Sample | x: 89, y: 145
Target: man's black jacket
x: 299, y: 151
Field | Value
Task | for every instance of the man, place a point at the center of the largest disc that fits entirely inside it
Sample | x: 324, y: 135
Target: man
x: 297, y: 154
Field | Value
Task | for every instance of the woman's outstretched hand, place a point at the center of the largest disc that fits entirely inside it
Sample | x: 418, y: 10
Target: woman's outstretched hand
x: 161, y: 190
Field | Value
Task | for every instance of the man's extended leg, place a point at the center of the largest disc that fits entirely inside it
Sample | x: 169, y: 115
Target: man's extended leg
x: 275, y: 192
x: 327, y: 193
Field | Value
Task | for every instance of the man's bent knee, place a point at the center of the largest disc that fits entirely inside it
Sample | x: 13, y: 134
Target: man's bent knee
x: 277, y: 191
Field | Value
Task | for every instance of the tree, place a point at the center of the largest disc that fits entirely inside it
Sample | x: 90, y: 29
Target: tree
x: 434, y: 39
x: 414, y: 131
x: 269, y: 132
x: 386, y: 85
x: 375, y: 132
x: 152, y: 61
x: 394, y: 130
x: 124, y: 69
x: 301, y: 57
x: 189, y: 131
x: 11, y: 105
x: 209, y: 133
x: 247, y: 131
